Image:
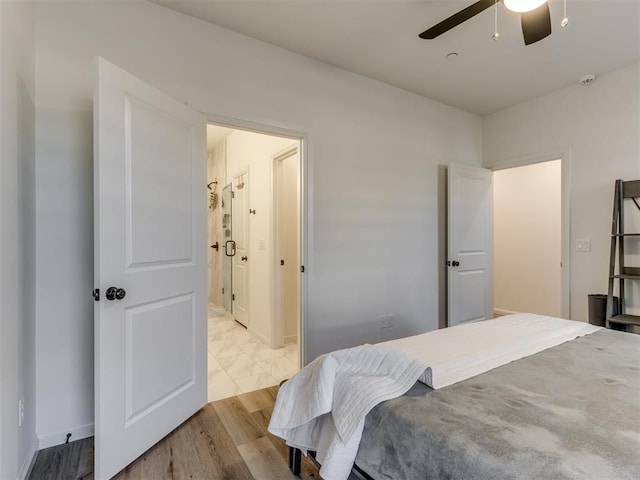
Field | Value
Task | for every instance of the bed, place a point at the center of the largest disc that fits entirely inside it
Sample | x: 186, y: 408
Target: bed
x: 571, y: 411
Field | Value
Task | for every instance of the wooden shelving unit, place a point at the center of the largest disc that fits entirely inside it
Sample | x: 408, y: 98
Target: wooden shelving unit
x: 624, y: 191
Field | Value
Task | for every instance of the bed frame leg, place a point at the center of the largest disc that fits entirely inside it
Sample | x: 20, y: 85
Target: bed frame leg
x: 295, y: 459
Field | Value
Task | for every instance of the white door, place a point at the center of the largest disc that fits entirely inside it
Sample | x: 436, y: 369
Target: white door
x: 150, y: 266
x: 240, y: 232
x: 470, y: 256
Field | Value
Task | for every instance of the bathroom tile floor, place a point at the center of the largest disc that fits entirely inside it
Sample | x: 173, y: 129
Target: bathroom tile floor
x: 239, y: 362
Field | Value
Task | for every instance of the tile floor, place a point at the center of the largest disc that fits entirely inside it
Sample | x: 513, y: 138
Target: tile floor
x: 241, y: 363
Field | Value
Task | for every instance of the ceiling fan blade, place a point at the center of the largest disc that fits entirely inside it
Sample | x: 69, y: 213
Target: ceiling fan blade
x: 457, y: 19
x: 536, y: 24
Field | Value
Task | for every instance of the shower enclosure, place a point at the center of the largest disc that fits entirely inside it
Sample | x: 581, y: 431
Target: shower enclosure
x: 229, y: 249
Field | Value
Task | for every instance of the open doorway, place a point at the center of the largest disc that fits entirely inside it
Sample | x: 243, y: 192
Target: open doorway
x: 255, y: 238
x: 528, y: 243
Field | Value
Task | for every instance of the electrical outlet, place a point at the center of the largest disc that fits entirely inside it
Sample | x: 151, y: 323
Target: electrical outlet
x: 583, y: 245
x: 20, y: 412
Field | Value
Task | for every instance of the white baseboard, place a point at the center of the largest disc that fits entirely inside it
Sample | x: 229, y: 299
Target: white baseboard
x: 29, y: 460
x: 499, y: 312
x: 290, y: 339
x: 58, y: 438
x: 260, y: 336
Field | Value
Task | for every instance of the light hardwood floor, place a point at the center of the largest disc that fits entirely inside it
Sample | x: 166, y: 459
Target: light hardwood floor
x: 227, y: 439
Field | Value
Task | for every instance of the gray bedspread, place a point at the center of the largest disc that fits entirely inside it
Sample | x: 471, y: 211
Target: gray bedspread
x: 569, y: 412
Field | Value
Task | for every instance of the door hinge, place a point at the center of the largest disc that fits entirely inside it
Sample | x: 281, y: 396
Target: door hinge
x: 223, y: 290
x: 281, y: 262
x: 233, y: 296
x: 302, y: 268
x: 96, y: 294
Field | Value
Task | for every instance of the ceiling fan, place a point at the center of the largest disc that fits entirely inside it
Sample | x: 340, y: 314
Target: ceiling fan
x: 534, y: 16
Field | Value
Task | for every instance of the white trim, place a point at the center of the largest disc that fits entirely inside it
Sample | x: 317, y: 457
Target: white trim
x: 29, y: 460
x: 255, y: 127
x: 564, y: 155
x: 58, y: 438
x: 306, y: 242
x: 491, y: 255
x: 306, y: 205
x: 500, y: 312
x: 260, y: 336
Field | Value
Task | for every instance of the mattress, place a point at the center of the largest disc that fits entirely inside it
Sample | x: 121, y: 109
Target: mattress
x: 569, y: 412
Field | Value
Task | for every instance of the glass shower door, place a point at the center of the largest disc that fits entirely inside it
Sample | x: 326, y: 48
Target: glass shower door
x: 228, y: 249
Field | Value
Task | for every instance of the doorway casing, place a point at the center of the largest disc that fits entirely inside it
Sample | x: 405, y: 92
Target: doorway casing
x: 305, y: 206
x: 564, y: 155
x: 278, y: 331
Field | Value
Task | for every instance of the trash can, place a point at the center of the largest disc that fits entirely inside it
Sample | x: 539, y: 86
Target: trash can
x: 598, y: 309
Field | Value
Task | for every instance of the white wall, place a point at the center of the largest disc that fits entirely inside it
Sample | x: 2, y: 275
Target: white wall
x: 373, y: 154
x: 256, y: 151
x: 17, y: 238
x: 527, y: 239
x: 64, y: 258
x: 599, y: 126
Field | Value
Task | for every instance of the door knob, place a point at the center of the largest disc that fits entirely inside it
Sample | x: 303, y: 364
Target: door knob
x: 455, y: 263
x: 115, y: 293
x: 244, y: 259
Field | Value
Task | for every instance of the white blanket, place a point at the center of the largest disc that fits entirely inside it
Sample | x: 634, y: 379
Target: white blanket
x: 454, y: 354
x: 322, y: 408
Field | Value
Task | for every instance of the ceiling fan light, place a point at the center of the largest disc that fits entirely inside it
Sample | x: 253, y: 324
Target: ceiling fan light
x: 522, y: 6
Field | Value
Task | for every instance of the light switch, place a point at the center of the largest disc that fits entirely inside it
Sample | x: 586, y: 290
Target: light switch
x: 583, y: 245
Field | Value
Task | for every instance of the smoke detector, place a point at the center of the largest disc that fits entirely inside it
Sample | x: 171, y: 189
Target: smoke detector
x: 587, y: 79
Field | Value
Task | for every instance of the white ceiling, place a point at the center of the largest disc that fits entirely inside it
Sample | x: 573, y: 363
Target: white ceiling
x: 379, y: 39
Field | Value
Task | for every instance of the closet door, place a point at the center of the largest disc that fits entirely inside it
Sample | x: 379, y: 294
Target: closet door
x: 470, y: 248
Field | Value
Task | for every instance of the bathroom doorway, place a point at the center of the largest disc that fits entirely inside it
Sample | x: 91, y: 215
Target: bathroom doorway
x: 255, y: 238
